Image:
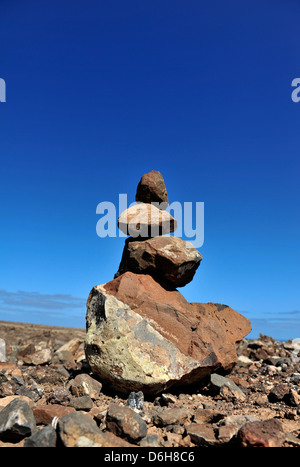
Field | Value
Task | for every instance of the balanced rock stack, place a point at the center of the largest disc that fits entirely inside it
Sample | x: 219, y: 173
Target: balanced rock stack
x: 170, y: 260
x: 142, y: 334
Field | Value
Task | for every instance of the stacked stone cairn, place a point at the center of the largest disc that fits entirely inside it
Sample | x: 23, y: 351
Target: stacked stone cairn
x: 142, y: 334
x: 150, y: 249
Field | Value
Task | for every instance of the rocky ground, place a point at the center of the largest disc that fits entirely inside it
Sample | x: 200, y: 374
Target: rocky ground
x: 49, y: 397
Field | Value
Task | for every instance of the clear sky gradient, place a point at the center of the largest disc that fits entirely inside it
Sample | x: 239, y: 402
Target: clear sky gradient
x: 98, y: 93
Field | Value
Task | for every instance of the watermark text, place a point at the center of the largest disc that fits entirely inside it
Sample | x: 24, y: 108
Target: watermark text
x: 2, y: 90
x: 189, y: 218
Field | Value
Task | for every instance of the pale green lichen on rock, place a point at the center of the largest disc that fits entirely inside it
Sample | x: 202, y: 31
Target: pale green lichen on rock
x: 124, y: 347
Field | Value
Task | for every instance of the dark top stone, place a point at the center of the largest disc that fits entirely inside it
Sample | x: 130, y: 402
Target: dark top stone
x: 152, y: 189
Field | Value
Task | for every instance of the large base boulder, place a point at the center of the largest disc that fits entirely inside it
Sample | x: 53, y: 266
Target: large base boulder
x: 141, y: 336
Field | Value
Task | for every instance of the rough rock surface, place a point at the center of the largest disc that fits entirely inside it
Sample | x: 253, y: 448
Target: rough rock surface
x: 152, y: 189
x: 199, y: 416
x: 45, y: 438
x: 141, y: 336
x: 84, y: 385
x: 171, y: 416
x: 169, y: 260
x: 16, y: 421
x: 124, y: 422
x: 145, y: 220
x: 266, y: 433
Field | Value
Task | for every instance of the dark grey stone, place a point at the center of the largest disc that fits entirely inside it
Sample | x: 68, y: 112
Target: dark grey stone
x: 82, y: 403
x: 44, y: 438
x: 16, y: 421
x: 217, y: 382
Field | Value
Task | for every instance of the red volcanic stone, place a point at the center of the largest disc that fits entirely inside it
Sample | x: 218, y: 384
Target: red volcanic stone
x: 152, y: 189
x: 44, y: 414
x: 141, y: 336
x: 267, y: 433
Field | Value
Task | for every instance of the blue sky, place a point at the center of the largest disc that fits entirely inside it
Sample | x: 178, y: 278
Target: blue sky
x: 99, y: 93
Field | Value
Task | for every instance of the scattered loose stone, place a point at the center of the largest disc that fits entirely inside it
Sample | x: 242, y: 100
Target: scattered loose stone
x: 168, y: 399
x: 44, y: 438
x: 73, y: 426
x: 278, y: 393
x: 35, y: 395
x: 124, y: 422
x: 226, y: 387
x: 60, y: 395
x: 41, y: 357
x: 82, y: 402
x: 71, y: 345
x: 16, y: 421
x: 293, y: 398
x: 136, y: 401
x: 151, y: 441
x: 171, y: 416
x: 202, y: 434
x: 84, y: 385
x: 238, y: 420
x: 26, y: 350
x: 45, y: 413
x: 4, y: 401
x: 208, y: 416
x: 228, y: 427
x: 206, y: 406
x: 267, y: 433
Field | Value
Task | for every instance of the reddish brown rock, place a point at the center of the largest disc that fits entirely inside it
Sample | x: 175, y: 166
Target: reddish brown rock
x: 44, y: 413
x: 152, y: 189
x: 124, y: 422
x: 278, y: 393
x: 83, y: 384
x: 169, y: 260
x: 26, y: 350
x: 293, y: 398
x: 202, y: 434
x: 141, y: 336
x: 208, y: 416
x: 4, y: 366
x: 73, y: 426
x: 171, y: 416
x: 4, y: 401
x: 186, y: 324
x: 267, y: 433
